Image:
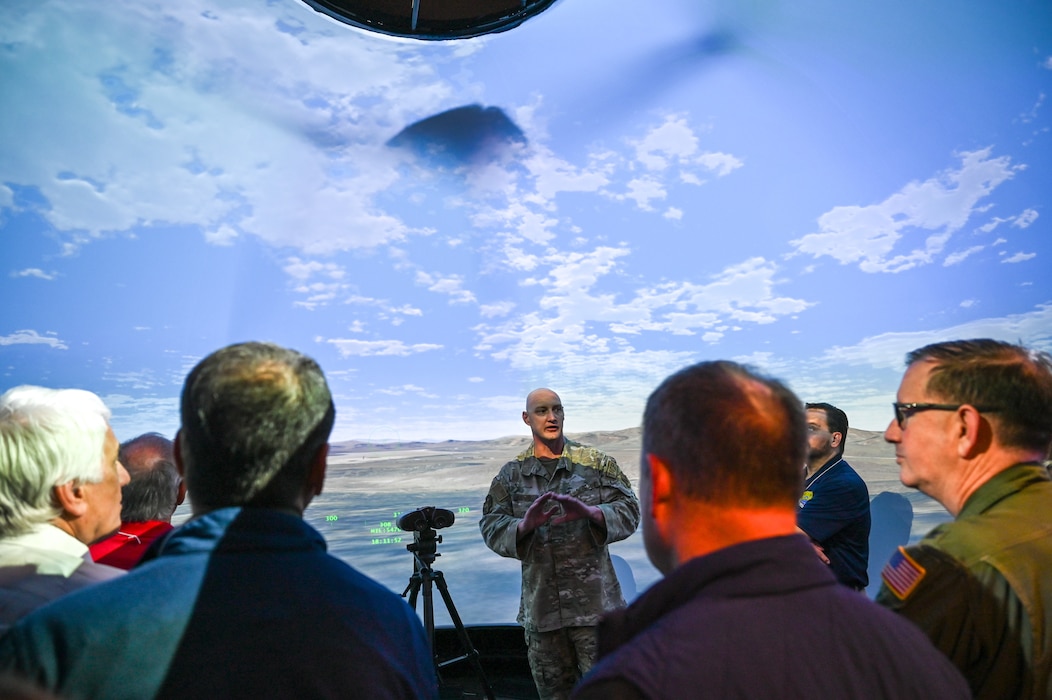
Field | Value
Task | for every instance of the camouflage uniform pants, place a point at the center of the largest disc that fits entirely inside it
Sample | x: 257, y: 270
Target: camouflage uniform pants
x: 559, y: 659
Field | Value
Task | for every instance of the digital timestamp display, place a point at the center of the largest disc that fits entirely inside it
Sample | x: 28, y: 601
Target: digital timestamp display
x: 386, y: 531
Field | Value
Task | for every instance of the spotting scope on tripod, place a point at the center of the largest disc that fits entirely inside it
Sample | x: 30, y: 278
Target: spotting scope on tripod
x: 422, y: 523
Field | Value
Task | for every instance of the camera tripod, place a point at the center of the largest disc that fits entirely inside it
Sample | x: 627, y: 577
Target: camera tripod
x: 424, y: 552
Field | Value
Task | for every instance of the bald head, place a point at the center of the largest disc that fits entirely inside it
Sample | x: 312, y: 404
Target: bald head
x: 155, y: 488
x: 541, y: 395
x: 544, y: 415
x: 142, y: 453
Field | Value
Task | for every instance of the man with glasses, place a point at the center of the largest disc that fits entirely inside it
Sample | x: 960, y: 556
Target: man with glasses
x: 834, y: 507
x: 973, y: 424
x: 745, y: 610
x: 556, y: 507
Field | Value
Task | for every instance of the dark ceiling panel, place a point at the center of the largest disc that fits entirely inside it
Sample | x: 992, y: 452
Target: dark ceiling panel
x: 432, y: 19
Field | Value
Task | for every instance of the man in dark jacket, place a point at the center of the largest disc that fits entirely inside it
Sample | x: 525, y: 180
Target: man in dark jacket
x: 242, y: 601
x: 745, y: 610
x: 834, y: 508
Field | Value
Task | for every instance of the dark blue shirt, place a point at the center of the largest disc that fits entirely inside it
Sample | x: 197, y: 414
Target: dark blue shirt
x: 834, y: 512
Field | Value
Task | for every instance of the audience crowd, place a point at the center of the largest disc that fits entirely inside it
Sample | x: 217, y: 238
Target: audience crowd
x: 746, y: 506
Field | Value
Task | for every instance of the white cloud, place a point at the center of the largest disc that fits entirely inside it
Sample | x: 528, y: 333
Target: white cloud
x: 722, y: 163
x: 144, y: 379
x: 643, y: 190
x: 1019, y: 257
x: 316, y: 293
x: 552, y: 174
x: 142, y: 414
x: 888, y: 350
x: 742, y: 292
x: 30, y: 337
x: 222, y: 235
x: 1027, y: 217
x: 673, y: 214
x: 959, y: 256
x: 305, y: 269
x: 931, y: 210
x: 165, y: 126
x: 348, y: 347
x: 407, y: 389
x: 501, y: 308
x: 672, y: 140
x: 572, y: 313
x: 1022, y: 220
x: 35, y: 272
x: 388, y: 311
x: 450, y: 285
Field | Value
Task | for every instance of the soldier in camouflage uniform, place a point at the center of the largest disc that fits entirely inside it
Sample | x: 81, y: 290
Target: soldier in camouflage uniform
x: 556, y: 507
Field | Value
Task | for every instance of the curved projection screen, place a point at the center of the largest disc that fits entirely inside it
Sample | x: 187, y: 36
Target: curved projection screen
x: 432, y: 19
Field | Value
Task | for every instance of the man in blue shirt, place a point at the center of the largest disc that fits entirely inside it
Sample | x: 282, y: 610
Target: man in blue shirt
x: 834, y: 507
x: 242, y: 601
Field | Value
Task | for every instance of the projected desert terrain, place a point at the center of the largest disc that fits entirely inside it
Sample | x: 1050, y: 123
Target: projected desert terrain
x: 369, y: 485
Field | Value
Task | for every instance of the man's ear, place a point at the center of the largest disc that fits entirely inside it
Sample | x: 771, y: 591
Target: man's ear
x: 835, y: 440
x: 177, y: 456
x: 525, y: 418
x: 660, y: 484
x: 70, y: 497
x: 973, y: 433
x: 177, y: 450
x: 318, y: 466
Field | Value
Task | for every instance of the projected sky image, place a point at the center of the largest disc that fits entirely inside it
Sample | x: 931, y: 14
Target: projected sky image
x: 590, y: 201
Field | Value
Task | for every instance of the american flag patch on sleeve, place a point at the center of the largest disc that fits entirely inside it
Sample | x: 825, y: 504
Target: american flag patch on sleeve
x: 902, y: 574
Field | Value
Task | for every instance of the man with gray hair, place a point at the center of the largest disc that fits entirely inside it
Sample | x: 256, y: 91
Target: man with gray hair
x: 60, y: 490
x: 149, y: 500
x: 242, y: 600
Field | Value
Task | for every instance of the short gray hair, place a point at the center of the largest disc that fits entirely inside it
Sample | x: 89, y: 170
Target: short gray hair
x: 253, y: 417
x: 48, y: 437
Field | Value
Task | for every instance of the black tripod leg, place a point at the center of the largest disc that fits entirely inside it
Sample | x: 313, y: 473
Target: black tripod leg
x: 412, y: 590
x: 470, y: 653
x: 423, y: 577
x: 429, y: 613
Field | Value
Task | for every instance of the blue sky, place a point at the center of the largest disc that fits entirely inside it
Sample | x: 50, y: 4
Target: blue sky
x: 812, y: 187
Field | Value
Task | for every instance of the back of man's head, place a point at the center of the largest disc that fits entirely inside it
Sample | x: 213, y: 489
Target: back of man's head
x: 1012, y: 383
x: 836, y: 419
x: 153, y: 491
x: 728, y: 435
x: 254, y: 416
x: 48, y: 437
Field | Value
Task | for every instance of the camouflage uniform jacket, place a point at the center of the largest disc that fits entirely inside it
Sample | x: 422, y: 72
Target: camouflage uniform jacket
x: 980, y: 587
x: 568, y: 579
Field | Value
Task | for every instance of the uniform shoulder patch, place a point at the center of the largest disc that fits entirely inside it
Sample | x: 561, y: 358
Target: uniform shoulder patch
x: 594, y: 459
x: 902, y: 574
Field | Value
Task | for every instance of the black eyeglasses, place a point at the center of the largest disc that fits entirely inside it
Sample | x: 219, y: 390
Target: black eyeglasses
x: 904, y: 410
